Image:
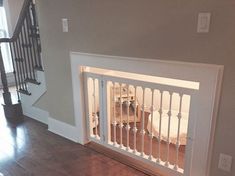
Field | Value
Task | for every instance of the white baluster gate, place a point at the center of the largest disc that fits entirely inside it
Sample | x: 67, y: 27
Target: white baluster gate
x: 148, y: 121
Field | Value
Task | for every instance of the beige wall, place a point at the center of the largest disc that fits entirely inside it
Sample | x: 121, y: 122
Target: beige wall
x: 161, y: 29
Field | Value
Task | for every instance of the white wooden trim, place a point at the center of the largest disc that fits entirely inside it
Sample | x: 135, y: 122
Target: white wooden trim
x: 62, y: 129
x: 36, y: 113
x: 160, y: 61
x: 217, y: 97
x: 193, y: 122
x: 106, y: 112
x: 78, y: 101
x: 208, y: 75
x: 55, y: 126
x: 88, y: 108
x: 28, y: 101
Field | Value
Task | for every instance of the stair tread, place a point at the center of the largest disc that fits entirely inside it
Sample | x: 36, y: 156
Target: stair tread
x: 35, y: 35
x: 24, y: 92
x: 38, y: 68
x: 33, y: 81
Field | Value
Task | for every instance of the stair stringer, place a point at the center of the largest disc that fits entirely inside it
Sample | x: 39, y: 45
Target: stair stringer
x: 28, y: 101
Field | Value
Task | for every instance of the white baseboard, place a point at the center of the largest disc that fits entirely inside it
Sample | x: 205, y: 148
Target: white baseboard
x: 36, y: 113
x: 55, y: 126
x: 62, y: 129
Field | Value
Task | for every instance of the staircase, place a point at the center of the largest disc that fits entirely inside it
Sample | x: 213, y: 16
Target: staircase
x: 25, y: 47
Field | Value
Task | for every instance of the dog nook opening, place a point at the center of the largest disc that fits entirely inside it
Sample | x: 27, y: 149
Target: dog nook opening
x: 140, y: 115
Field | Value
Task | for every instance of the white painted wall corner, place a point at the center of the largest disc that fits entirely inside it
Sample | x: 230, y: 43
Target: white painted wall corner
x: 36, y: 114
x: 62, y: 129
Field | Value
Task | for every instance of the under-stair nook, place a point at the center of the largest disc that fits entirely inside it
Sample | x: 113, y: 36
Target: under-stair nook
x: 155, y: 115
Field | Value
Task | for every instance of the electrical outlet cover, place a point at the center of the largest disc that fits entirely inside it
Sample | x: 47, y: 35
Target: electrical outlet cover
x: 203, y: 25
x: 65, y: 25
x: 225, y: 162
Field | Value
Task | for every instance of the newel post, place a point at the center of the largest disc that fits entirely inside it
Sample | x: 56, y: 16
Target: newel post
x: 6, y: 94
x: 13, y: 112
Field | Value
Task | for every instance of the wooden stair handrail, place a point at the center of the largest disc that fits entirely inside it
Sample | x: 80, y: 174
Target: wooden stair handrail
x: 19, y: 24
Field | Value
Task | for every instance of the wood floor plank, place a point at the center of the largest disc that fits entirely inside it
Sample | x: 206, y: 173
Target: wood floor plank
x: 29, y: 149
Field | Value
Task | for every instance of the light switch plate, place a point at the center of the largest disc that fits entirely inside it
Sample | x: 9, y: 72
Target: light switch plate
x: 203, y: 24
x: 225, y: 162
x: 65, y: 25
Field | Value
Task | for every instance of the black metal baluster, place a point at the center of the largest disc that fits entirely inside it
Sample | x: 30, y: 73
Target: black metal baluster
x: 33, y: 37
x: 20, y: 65
x: 38, y: 50
x: 24, y: 54
x: 27, y: 56
x: 30, y: 44
x: 34, y: 16
x: 36, y: 32
x: 27, y: 47
x: 14, y: 69
x: 17, y: 64
x: 22, y: 51
x: 27, y: 52
x: 21, y: 59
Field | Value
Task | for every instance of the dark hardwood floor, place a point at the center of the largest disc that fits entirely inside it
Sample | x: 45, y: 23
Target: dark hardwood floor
x: 29, y: 149
x: 163, y: 144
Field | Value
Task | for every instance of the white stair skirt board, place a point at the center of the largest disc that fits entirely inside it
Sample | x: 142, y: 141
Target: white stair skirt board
x: 36, y: 113
x: 28, y: 101
x: 36, y: 90
x: 210, y: 79
x: 63, y: 129
x: 55, y: 126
